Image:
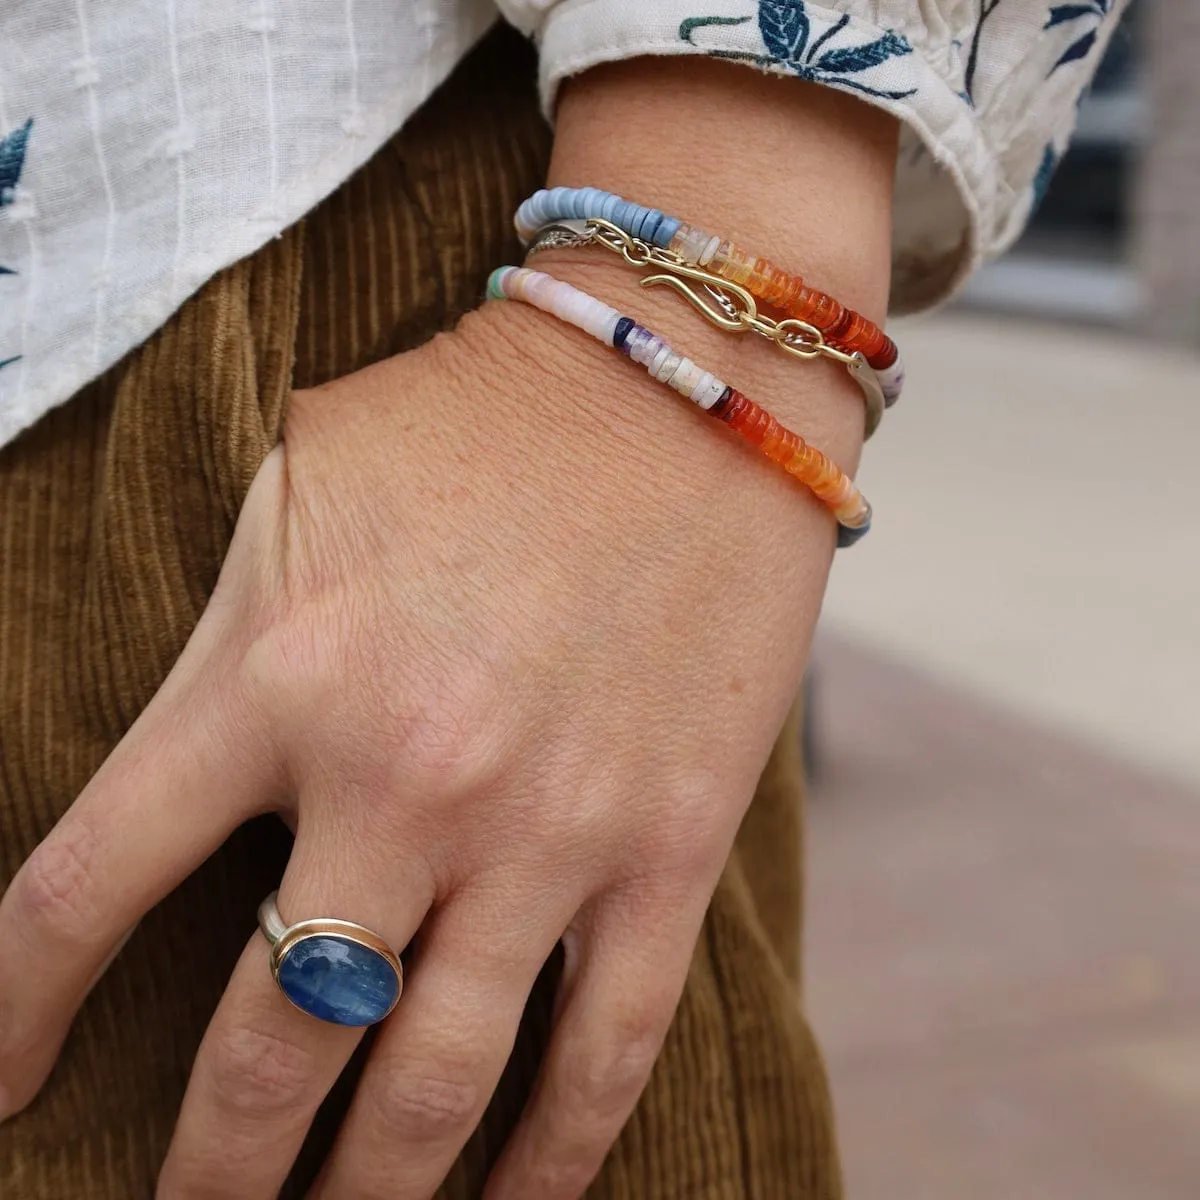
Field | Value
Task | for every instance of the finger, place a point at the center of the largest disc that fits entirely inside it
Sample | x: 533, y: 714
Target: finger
x: 264, y: 1066
x: 622, y: 981
x: 439, y: 1059
x: 185, y: 775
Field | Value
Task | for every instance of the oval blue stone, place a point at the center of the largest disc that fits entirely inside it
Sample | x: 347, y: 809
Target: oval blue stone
x: 339, y: 980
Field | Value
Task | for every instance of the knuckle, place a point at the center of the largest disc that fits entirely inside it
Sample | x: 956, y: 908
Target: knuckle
x: 450, y: 732
x: 392, y: 721
x: 600, y: 1085
x: 252, y: 1072
x: 692, y: 831
x: 18, y: 1039
x: 53, y: 891
x: 446, y: 737
x: 430, y: 1104
x: 289, y: 664
x: 568, y: 1177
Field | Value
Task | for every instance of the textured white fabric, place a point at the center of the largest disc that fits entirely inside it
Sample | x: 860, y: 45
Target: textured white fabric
x: 147, y: 144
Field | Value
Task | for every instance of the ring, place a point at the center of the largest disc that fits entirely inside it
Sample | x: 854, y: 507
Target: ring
x: 335, y: 971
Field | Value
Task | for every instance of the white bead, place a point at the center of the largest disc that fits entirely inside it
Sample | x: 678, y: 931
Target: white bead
x: 602, y: 322
x: 694, y: 244
x: 667, y: 367
x: 608, y: 330
x: 707, y: 255
x: 891, y: 380
x: 708, y: 391
x: 659, y: 359
x: 684, y: 377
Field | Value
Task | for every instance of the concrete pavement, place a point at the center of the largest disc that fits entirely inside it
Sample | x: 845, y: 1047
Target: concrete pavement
x: 1003, y: 955
x: 1037, y: 534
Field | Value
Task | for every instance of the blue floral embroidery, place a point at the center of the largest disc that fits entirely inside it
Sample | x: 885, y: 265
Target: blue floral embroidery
x: 986, y: 8
x: 786, y: 29
x: 1094, y: 11
x: 1069, y: 14
x: 12, y: 159
x: 1045, y: 173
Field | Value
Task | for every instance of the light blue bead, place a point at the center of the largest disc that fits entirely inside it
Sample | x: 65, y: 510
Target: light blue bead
x: 626, y: 215
x: 593, y: 198
x: 559, y: 204
x: 338, y: 980
x: 650, y: 225
x: 579, y: 204
x: 668, y: 227
x: 608, y: 210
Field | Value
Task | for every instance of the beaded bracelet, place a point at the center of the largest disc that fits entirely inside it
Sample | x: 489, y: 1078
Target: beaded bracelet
x: 727, y: 305
x: 828, y: 482
x: 843, y: 327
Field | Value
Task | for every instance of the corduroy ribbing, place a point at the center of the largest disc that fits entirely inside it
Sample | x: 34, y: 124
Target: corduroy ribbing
x: 115, y: 513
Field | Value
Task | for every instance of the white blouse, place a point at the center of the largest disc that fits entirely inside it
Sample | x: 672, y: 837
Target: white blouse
x: 147, y: 144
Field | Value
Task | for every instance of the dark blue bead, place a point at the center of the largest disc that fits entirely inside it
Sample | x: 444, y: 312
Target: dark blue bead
x: 848, y: 536
x: 338, y: 980
x: 624, y: 325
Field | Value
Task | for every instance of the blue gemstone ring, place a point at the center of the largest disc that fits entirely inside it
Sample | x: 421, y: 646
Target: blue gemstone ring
x: 335, y: 971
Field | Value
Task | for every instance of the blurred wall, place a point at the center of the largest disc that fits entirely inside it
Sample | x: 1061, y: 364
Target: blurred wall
x: 1167, y: 221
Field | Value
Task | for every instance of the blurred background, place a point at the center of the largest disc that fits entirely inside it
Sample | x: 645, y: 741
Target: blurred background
x: 1003, y: 956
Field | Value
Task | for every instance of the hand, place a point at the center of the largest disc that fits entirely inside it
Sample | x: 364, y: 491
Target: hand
x: 510, y: 657
x: 505, y: 634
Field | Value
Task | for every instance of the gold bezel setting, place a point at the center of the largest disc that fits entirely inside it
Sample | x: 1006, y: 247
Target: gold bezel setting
x: 327, y: 927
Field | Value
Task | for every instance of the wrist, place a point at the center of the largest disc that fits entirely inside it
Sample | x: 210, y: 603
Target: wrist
x: 815, y: 397
x: 586, y: 401
x: 795, y: 172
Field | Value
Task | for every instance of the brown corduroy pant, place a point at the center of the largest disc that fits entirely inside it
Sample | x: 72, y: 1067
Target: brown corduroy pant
x: 115, y: 513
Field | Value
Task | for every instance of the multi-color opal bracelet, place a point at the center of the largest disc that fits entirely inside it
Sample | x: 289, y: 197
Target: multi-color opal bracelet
x: 824, y: 478
x: 842, y: 327
x: 726, y: 305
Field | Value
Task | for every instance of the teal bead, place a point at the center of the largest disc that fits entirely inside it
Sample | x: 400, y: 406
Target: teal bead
x: 494, y: 289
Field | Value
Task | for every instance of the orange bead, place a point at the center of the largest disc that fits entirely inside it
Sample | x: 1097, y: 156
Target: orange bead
x: 774, y: 286
x: 818, y: 308
x: 886, y: 356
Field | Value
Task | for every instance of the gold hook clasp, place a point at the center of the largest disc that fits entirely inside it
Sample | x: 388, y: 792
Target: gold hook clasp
x: 718, y: 315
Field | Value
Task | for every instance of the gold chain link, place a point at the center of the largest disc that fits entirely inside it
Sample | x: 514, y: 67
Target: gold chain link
x: 727, y: 305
